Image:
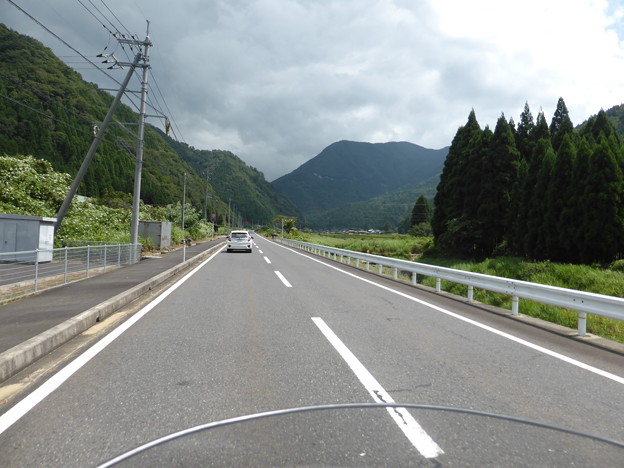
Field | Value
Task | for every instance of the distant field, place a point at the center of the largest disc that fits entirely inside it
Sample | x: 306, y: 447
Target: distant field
x: 581, y: 277
x: 389, y: 245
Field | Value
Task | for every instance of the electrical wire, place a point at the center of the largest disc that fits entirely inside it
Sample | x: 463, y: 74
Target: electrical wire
x: 62, y: 40
x: 115, y: 16
x: 156, y: 107
x: 306, y: 409
x: 96, y: 18
x: 170, y: 114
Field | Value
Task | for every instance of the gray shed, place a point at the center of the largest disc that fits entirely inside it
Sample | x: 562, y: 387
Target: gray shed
x: 158, y: 231
x: 19, y: 233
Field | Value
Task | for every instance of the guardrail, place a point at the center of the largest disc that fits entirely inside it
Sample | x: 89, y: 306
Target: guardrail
x: 28, y: 272
x: 582, y: 302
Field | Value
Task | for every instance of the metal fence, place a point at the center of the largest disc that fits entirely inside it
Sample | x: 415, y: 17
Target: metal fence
x: 582, y: 302
x: 28, y: 272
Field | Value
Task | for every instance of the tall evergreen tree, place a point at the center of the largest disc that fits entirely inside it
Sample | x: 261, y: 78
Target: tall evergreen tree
x: 499, y: 173
x: 449, y: 198
x: 535, y: 198
x: 541, y: 129
x: 524, y: 141
x: 560, y: 125
x: 581, y: 251
x: 421, y: 213
x: 603, y: 202
x: 559, y: 216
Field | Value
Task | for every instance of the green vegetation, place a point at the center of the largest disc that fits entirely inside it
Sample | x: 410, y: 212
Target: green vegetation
x: 535, y: 191
x: 608, y: 281
x: 31, y: 187
x: 388, y: 245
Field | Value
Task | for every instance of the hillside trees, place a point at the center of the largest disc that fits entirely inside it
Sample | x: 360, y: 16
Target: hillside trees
x: 538, y: 191
x: 49, y: 112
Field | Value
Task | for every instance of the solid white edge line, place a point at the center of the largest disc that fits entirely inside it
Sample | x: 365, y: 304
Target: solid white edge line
x: 283, y: 280
x: 406, y: 422
x: 267, y: 260
x: 24, y: 406
x: 541, y: 349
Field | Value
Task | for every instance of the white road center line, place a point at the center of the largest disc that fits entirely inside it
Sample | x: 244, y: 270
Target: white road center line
x: 410, y: 427
x: 283, y: 280
x: 267, y: 260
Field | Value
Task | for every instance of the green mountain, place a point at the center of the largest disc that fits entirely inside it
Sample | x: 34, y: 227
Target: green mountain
x: 48, y: 111
x: 356, y: 185
x: 388, y: 209
x: 235, y: 182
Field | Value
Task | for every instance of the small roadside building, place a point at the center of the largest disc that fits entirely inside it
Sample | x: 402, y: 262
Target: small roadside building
x: 158, y: 231
x: 20, y: 233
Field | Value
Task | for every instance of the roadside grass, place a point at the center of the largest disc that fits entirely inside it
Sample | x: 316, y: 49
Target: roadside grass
x: 588, y: 278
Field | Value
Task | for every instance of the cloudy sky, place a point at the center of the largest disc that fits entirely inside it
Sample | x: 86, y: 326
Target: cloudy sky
x: 276, y: 81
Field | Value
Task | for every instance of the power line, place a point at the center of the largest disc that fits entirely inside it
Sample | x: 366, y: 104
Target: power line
x: 168, y: 110
x: 96, y: 66
x: 60, y: 39
x: 118, y: 20
x: 96, y: 18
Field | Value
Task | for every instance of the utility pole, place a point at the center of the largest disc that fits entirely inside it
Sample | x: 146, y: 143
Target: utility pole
x: 206, y: 200
x: 183, y: 200
x: 136, y: 197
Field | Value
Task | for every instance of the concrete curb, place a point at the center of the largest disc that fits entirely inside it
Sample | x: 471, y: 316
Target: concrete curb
x: 21, y: 356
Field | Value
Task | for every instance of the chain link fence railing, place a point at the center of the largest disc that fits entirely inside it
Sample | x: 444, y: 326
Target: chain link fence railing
x: 29, y: 272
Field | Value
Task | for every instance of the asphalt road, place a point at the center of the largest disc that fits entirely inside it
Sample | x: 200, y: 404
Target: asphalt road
x: 275, y: 329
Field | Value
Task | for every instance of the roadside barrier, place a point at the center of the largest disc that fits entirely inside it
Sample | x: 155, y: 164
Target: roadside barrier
x: 29, y: 272
x: 582, y: 302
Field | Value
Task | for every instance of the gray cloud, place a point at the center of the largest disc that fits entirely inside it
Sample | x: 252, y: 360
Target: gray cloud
x: 275, y: 81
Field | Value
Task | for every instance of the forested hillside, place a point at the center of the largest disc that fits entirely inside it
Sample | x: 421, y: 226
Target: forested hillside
x: 49, y: 112
x: 256, y: 199
x: 535, y: 190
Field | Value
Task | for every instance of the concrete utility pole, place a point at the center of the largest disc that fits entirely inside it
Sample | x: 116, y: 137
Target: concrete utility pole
x: 183, y: 200
x: 136, y: 198
x: 206, y: 200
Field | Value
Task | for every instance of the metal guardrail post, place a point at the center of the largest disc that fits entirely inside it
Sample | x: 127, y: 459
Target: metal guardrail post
x: 119, y: 256
x: 104, y: 259
x: 36, y: 269
x: 470, y: 293
x: 395, y: 273
x: 414, y: 278
x: 88, y: 259
x: 357, y: 263
x: 380, y: 269
x: 65, y: 267
x: 515, y: 305
x: 582, y: 323
x: 438, y: 284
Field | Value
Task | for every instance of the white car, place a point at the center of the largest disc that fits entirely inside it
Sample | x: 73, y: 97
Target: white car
x: 239, y: 240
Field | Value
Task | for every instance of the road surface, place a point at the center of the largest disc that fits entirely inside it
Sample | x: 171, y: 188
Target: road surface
x: 276, y: 329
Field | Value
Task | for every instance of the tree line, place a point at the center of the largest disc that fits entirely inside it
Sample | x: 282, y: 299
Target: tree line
x: 546, y: 192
